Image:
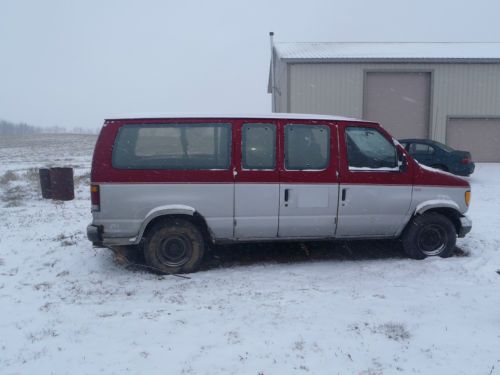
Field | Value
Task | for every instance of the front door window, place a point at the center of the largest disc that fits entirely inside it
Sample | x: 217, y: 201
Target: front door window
x: 368, y: 149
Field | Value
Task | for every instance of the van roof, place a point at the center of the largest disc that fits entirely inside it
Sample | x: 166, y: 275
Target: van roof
x: 290, y: 116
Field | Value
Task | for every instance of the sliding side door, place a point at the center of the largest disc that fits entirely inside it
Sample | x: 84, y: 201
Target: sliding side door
x: 309, y: 184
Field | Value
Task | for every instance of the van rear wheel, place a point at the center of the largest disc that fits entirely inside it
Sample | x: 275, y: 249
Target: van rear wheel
x: 429, y: 234
x: 174, y: 246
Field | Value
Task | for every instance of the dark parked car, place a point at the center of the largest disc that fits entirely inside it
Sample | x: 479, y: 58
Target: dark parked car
x: 439, y: 156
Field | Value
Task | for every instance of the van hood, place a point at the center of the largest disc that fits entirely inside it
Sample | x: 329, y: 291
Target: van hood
x: 434, y: 177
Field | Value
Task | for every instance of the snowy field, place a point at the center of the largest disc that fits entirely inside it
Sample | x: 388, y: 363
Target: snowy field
x: 345, y: 308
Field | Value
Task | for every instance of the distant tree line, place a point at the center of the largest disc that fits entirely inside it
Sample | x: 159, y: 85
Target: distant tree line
x: 10, y: 128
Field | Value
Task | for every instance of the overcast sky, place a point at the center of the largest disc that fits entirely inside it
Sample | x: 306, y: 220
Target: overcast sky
x: 73, y: 63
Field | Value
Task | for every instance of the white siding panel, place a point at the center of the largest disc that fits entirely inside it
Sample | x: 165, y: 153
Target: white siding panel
x: 326, y: 88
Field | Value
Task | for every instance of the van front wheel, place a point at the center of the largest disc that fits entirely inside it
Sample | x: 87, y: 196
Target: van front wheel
x: 429, y: 234
x: 174, y: 246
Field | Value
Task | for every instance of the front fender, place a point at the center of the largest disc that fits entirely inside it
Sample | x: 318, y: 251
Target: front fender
x: 436, y: 203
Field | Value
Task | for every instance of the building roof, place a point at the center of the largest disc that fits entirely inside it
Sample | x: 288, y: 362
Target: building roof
x: 289, y: 116
x: 420, y: 52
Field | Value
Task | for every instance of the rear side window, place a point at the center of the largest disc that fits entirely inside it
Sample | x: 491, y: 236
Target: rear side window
x: 367, y: 148
x: 258, y: 146
x: 307, y: 147
x: 173, y: 146
x: 421, y: 148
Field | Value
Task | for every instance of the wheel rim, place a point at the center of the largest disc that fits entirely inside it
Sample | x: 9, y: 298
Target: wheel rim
x: 175, y: 251
x: 432, y: 239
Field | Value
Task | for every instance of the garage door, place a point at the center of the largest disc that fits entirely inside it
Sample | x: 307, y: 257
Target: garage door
x: 400, y: 102
x: 481, y: 137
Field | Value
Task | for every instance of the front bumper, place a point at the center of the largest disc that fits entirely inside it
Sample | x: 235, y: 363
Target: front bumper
x: 94, y: 234
x: 465, y: 226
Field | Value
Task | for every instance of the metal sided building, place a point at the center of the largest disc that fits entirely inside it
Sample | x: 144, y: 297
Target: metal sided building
x: 449, y: 92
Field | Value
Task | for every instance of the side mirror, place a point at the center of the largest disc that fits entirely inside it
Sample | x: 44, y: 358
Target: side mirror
x: 402, y: 161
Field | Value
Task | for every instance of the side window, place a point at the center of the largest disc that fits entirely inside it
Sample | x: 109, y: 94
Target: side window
x: 258, y: 146
x: 367, y: 148
x: 173, y: 146
x: 421, y: 149
x: 307, y: 147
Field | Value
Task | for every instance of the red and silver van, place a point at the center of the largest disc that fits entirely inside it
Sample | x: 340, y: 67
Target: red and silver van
x: 175, y: 184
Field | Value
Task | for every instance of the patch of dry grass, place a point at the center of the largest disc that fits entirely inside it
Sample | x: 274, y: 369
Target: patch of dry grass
x: 66, y: 240
x: 83, y: 179
x: 7, y: 177
x: 32, y: 175
x: 394, y: 331
x: 14, y: 196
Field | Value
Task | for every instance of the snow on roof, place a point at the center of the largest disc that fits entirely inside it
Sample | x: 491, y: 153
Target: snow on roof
x: 389, y: 51
x: 290, y: 116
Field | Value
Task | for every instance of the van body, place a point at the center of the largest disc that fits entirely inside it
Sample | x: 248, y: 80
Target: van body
x: 179, y: 183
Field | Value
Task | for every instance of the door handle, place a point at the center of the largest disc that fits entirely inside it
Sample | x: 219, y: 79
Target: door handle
x: 287, y: 194
x: 344, y: 193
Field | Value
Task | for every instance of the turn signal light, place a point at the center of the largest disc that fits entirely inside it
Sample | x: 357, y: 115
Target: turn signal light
x: 95, y: 198
x: 467, y: 197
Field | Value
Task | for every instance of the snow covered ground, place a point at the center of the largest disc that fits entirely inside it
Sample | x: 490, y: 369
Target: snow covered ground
x: 358, y: 308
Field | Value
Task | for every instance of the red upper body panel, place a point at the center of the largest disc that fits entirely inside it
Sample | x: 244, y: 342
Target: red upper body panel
x: 336, y: 172
x: 426, y: 176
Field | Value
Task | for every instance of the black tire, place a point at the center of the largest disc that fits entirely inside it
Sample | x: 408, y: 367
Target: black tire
x: 429, y: 234
x: 174, y: 246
